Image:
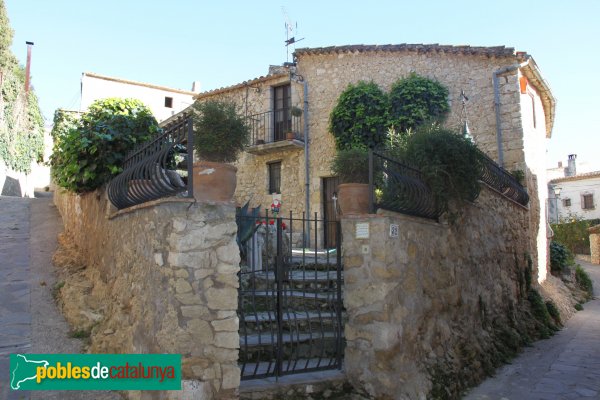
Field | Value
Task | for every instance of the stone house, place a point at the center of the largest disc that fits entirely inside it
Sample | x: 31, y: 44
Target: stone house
x: 510, y: 113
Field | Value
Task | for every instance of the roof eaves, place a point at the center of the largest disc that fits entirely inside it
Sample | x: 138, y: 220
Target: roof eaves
x: 129, y: 82
x: 534, y: 76
x: 254, y: 81
x: 578, y: 177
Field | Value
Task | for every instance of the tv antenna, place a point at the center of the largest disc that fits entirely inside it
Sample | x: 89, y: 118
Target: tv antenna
x: 290, y: 28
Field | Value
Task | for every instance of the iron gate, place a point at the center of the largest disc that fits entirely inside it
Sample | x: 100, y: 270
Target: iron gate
x: 290, y: 299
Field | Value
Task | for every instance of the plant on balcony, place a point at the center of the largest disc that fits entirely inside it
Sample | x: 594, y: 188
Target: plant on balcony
x: 220, y: 134
x: 352, y: 167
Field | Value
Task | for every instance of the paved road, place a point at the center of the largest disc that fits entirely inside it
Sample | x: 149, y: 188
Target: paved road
x: 30, y: 322
x: 564, y: 367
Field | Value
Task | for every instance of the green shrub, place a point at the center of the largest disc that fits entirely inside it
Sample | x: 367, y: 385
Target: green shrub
x: 578, y: 307
x: 553, y: 312
x: 91, y: 152
x: 360, y: 117
x: 449, y: 163
x: 415, y: 100
x: 584, y: 281
x: 573, y: 233
x: 541, y: 314
x: 351, y: 165
x: 220, y: 132
x: 560, y: 258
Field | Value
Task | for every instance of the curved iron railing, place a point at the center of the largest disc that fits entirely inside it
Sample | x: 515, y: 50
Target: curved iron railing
x: 399, y: 188
x: 502, y: 181
x: 152, y: 170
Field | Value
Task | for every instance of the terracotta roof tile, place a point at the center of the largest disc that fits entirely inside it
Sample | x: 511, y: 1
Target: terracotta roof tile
x: 587, y: 175
x: 495, y: 51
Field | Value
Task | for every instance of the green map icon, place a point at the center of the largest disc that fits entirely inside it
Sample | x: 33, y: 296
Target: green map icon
x: 23, y: 369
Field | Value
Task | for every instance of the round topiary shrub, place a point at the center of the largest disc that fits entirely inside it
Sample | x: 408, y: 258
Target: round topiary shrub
x: 91, y: 151
x: 416, y: 99
x: 360, y: 117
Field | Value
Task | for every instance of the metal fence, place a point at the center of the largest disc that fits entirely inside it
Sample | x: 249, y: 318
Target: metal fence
x: 273, y: 126
x: 290, y: 299
x: 502, y: 181
x: 398, y: 187
x: 156, y: 169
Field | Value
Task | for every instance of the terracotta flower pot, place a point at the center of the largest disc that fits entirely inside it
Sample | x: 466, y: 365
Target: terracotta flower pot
x: 214, y: 182
x: 353, y: 198
x: 290, y: 136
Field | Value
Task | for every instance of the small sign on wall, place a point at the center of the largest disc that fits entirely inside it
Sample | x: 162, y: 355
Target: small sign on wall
x: 394, y: 228
x: 362, y: 230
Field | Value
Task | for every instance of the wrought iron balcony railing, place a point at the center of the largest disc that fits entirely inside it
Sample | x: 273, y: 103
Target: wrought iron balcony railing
x: 274, y: 126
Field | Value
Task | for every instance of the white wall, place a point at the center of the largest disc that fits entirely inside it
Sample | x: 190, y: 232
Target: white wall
x: 94, y: 88
x: 574, y: 190
x: 534, y: 145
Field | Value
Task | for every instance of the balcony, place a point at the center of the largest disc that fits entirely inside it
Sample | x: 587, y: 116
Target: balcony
x: 274, y: 131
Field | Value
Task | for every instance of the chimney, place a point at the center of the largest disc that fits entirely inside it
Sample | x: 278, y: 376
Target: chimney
x: 28, y: 67
x: 572, y: 168
x: 196, y: 86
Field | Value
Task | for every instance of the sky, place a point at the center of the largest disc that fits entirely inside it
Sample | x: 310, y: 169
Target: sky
x: 220, y: 43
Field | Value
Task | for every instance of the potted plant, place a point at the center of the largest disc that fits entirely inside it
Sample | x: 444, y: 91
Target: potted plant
x: 220, y: 133
x: 352, y: 167
x: 296, y: 112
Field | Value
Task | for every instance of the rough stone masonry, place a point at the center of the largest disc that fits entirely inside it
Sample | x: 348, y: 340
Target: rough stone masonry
x: 157, y: 279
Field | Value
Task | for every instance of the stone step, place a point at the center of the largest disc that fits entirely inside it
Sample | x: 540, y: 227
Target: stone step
x: 265, y: 368
x: 288, y: 316
x: 270, y: 338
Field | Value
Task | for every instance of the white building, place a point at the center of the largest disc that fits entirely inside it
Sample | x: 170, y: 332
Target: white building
x: 163, y: 101
x: 573, y: 194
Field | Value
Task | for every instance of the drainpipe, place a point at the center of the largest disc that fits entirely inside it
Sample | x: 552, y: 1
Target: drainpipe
x: 497, y: 106
x: 306, y: 161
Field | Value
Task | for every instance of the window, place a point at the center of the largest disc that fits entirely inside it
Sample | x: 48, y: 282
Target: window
x: 566, y: 202
x: 587, y: 201
x: 169, y: 102
x: 282, y: 100
x: 533, y: 109
x: 274, y: 177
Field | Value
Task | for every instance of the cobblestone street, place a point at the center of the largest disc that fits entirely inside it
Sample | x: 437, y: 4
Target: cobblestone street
x: 564, y: 367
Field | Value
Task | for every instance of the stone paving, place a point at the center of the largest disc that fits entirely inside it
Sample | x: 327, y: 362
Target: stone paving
x: 564, y: 367
x: 15, y: 318
x: 30, y: 322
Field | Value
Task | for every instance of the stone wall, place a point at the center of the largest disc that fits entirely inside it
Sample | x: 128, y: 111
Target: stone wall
x: 435, y: 309
x: 594, y: 244
x: 157, y: 279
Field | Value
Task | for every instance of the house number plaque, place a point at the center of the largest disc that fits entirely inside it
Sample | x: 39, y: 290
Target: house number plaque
x: 362, y: 230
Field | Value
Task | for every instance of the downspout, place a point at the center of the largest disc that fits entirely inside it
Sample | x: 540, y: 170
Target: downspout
x: 306, y: 161
x: 497, y: 106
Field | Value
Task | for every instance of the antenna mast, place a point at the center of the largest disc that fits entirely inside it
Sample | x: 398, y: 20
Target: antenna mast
x: 290, y: 27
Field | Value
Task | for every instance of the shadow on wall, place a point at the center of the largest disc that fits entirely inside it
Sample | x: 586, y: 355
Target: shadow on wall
x: 11, y: 187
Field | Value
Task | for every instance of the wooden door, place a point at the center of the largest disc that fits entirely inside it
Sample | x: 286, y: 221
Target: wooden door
x: 330, y: 214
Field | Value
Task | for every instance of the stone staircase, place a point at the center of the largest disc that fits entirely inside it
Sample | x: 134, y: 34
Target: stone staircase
x: 310, y: 325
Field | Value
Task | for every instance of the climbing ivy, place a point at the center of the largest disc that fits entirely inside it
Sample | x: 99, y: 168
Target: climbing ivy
x: 21, y: 121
